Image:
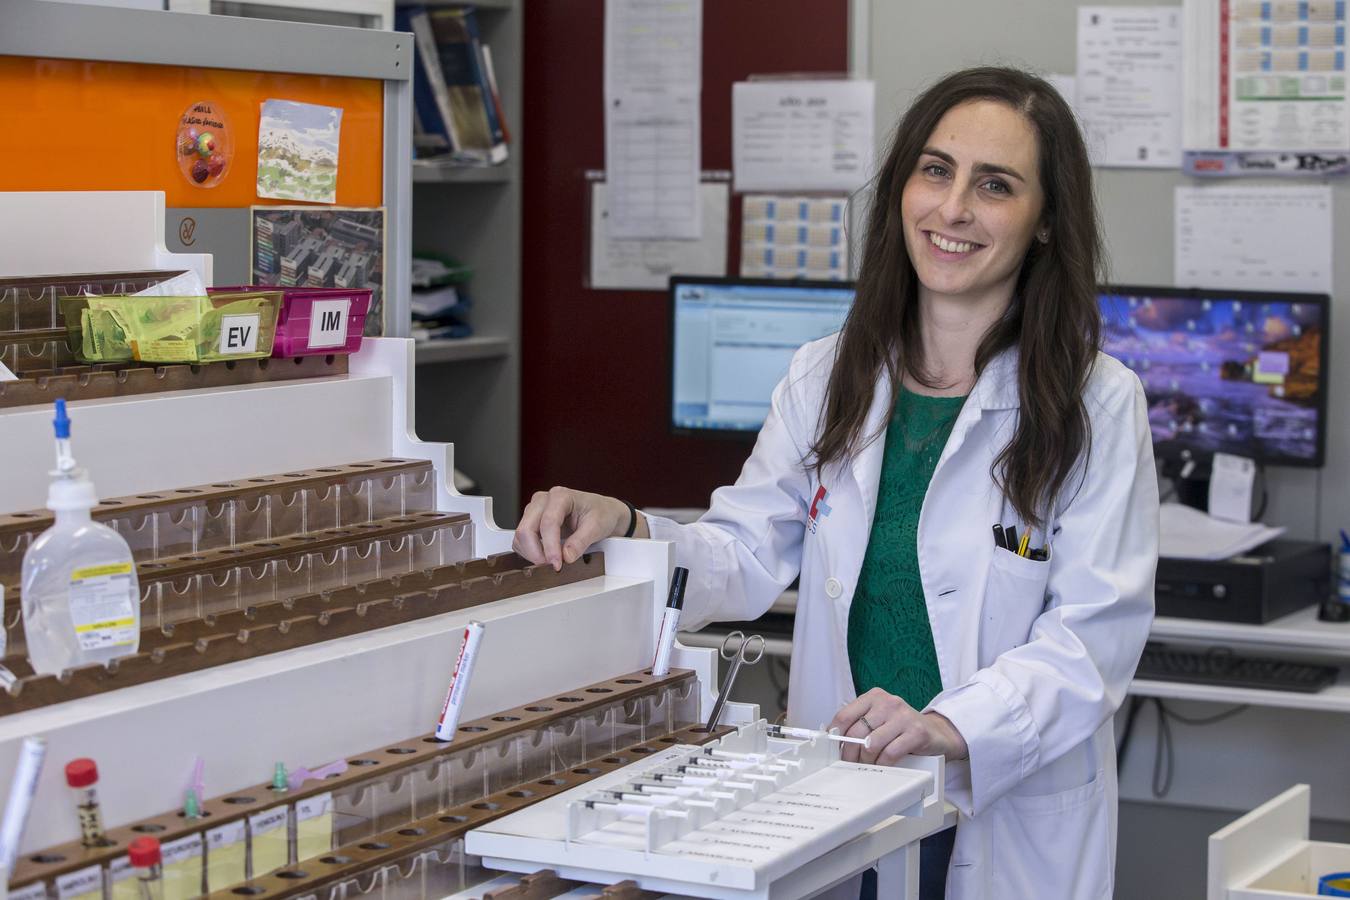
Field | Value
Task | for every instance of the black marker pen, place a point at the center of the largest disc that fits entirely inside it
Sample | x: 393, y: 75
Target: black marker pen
x: 670, y: 622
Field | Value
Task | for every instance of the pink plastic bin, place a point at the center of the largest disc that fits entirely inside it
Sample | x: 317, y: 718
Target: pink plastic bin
x: 316, y: 321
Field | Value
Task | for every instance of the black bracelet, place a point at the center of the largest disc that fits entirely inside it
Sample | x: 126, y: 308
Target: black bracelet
x: 632, y: 520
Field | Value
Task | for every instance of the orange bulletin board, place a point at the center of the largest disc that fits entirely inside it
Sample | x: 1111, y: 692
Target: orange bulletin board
x: 68, y: 125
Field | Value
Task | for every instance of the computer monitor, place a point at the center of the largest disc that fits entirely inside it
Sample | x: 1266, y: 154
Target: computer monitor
x: 732, y: 340
x: 1235, y: 372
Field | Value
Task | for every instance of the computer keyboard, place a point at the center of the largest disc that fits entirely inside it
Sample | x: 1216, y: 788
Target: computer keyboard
x: 1219, y: 665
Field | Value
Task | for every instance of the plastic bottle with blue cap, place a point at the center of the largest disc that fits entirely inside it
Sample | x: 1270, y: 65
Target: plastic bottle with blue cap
x: 81, y: 598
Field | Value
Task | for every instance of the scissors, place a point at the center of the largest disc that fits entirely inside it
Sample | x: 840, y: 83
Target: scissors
x: 741, y: 654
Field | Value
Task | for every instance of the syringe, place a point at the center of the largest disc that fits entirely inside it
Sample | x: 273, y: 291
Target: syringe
x: 781, y: 731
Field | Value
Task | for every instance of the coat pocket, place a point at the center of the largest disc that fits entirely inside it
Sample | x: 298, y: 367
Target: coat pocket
x: 1052, y: 846
x: 1014, y: 596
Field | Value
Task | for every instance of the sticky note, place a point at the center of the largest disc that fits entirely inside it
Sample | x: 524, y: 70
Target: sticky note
x: 226, y: 852
x: 183, y: 867
x: 313, y: 826
x: 82, y: 884
x: 122, y: 884
x: 35, y: 891
x: 269, y: 840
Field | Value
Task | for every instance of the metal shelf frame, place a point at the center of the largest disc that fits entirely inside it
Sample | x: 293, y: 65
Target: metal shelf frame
x: 115, y: 34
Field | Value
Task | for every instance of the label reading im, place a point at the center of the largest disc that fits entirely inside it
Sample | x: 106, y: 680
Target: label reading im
x: 328, y: 323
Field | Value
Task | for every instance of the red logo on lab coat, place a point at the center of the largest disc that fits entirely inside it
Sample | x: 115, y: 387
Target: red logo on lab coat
x: 818, y: 508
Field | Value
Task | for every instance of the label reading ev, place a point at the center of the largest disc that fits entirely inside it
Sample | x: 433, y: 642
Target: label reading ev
x: 239, y: 334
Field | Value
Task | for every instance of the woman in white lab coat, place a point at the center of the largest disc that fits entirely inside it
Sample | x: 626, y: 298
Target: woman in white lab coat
x: 964, y: 391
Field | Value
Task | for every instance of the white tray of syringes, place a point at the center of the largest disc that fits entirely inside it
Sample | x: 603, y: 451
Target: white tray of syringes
x: 737, y: 814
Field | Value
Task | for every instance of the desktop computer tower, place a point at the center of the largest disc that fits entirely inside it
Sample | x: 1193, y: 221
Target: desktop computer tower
x: 1265, y: 583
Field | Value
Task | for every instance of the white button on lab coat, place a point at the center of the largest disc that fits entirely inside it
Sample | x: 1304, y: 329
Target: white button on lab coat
x: 1034, y: 656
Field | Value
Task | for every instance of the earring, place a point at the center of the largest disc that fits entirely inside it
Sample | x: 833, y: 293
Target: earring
x: 1043, y: 237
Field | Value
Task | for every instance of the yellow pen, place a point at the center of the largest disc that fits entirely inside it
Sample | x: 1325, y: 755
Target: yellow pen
x: 1022, y: 547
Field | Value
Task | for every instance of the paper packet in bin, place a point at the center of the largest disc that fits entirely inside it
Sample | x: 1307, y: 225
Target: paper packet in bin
x: 175, y: 329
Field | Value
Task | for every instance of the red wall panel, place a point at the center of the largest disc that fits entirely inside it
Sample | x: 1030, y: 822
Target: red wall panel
x: 595, y: 367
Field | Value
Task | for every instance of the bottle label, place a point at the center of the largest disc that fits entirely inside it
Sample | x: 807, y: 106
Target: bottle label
x: 103, y: 606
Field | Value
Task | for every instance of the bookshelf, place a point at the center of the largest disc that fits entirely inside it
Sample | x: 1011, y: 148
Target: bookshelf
x: 462, y: 349
x: 437, y: 174
x: 468, y: 391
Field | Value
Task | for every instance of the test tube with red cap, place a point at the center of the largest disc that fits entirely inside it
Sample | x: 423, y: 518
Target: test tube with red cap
x: 82, y: 776
x: 145, y: 857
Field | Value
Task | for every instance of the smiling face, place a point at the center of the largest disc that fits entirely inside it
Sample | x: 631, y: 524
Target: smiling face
x: 973, y: 203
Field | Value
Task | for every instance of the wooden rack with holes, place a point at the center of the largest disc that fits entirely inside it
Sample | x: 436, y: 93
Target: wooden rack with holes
x: 399, y: 759
x: 192, y: 520
x: 33, y: 339
x: 263, y: 574
x: 101, y: 382
x: 546, y: 884
x: 389, y: 847
x: 18, y: 528
x: 305, y: 620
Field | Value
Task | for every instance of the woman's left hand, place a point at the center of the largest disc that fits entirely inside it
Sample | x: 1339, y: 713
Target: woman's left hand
x: 897, y: 730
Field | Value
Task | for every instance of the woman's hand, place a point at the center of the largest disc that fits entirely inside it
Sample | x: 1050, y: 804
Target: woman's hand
x: 897, y: 730
x: 586, y: 518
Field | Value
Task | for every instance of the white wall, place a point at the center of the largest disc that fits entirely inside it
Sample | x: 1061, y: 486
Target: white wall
x: 909, y: 45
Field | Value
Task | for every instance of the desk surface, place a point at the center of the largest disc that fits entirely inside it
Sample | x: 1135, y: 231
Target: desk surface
x: 1298, y: 631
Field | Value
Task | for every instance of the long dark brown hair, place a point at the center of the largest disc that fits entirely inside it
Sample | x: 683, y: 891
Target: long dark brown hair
x: 1053, y: 318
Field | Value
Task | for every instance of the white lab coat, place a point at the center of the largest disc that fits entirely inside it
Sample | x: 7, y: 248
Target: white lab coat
x: 1034, y: 656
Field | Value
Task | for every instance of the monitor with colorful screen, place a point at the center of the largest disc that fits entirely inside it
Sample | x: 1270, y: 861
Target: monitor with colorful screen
x: 1225, y: 371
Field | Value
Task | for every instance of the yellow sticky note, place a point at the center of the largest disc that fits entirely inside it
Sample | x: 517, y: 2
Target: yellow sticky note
x: 226, y: 852
x: 122, y: 880
x: 183, y: 867
x: 269, y: 840
x: 313, y: 826
x: 82, y: 884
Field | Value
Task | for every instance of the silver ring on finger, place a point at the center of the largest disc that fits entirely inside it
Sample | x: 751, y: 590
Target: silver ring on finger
x: 863, y: 719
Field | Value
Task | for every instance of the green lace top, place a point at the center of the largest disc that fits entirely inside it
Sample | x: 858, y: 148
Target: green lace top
x: 890, y: 641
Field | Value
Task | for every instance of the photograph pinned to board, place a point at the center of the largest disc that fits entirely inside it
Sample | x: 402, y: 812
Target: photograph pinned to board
x: 311, y: 246
x: 794, y: 237
x: 618, y: 263
x: 298, y: 151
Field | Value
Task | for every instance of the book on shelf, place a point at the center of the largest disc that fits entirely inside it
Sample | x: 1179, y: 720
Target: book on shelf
x: 429, y: 132
x: 496, y: 97
x: 458, y: 109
